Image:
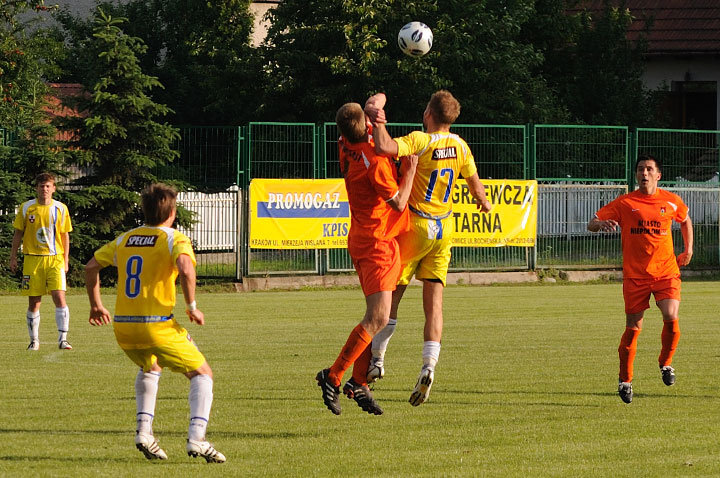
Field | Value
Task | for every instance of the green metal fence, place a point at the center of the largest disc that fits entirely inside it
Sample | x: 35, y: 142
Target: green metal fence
x: 688, y: 156
x: 580, y: 153
x: 579, y: 168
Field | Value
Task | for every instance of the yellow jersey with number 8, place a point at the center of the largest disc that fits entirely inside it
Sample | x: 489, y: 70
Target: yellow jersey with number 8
x: 146, y: 261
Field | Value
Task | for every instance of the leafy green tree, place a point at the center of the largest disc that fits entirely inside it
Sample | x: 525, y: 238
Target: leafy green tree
x: 200, y: 50
x: 117, y: 140
x: 321, y: 53
x: 27, y: 142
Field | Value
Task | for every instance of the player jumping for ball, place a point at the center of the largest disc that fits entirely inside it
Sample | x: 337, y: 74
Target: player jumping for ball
x: 425, y: 248
x: 377, y: 205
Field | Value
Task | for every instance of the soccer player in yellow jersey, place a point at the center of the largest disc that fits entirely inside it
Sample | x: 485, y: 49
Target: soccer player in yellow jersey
x: 149, y: 259
x: 425, y: 249
x: 43, y: 225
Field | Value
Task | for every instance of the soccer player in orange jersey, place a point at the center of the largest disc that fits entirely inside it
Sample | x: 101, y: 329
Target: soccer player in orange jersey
x: 645, y: 217
x: 377, y: 206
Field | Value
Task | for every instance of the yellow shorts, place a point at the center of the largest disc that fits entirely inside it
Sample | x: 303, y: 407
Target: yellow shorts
x: 42, y: 274
x: 179, y: 353
x: 425, y: 249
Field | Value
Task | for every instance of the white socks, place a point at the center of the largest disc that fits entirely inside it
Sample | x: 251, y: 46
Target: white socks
x: 200, y: 398
x: 431, y: 353
x: 380, y: 342
x: 62, y: 319
x: 33, y: 324
x: 146, y: 389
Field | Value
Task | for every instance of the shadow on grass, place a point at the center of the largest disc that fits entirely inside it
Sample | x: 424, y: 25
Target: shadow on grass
x: 178, y: 434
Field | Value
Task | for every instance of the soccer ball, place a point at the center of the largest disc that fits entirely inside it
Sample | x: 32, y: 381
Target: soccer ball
x: 415, y: 39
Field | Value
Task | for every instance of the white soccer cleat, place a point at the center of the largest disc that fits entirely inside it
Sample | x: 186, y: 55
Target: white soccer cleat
x: 149, y: 447
x: 64, y: 345
x: 34, y: 345
x: 375, y: 371
x: 422, y: 387
x: 204, y: 449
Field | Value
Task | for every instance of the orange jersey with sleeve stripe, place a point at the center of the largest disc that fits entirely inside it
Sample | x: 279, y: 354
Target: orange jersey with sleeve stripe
x: 371, y: 181
x: 646, y: 221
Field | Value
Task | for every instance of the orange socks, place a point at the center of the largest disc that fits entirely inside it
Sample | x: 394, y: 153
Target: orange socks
x: 669, y: 338
x: 626, y: 351
x: 357, y: 342
x: 360, y: 367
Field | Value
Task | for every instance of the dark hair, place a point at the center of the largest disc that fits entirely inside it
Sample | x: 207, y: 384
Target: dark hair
x: 158, y: 203
x: 648, y: 157
x: 350, y: 119
x: 44, y: 178
x: 443, y: 107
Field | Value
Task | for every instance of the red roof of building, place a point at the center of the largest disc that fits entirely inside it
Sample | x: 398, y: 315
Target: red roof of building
x: 675, y: 26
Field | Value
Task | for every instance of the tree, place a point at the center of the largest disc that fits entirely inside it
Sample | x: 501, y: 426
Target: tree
x: 203, y: 55
x: 322, y: 53
x: 27, y: 143
x: 117, y: 139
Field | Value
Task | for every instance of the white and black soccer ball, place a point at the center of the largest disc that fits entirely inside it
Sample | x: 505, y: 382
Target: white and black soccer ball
x: 415, y: 39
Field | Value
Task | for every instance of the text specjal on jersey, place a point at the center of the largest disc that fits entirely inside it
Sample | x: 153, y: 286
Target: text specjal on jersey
x: 445, y: 153
x: 141, y: 241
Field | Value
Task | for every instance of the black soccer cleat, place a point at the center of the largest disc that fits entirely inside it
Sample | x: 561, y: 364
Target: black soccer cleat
x: 625, y: 391
x: 362, y: 396
x: 330, y: 392
x: 668, y: 375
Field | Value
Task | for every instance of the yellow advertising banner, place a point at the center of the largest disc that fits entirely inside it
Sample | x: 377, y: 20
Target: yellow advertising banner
x: 315, y: 214
x: 299, y: 214
x: 512, y: 221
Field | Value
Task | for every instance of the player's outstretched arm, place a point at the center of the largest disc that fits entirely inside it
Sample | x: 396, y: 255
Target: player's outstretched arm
x: 99, y: 315
x: 686, y: 229
x: 477, y: 190
x: 408, y: 167
x: 596, y: 225
x: 186, y: 272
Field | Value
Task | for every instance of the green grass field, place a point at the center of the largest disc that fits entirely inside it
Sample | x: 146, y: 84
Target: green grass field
x: 525, y: 386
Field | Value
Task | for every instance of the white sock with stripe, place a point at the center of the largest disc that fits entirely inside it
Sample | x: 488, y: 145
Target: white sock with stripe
x: 431, y: 353
x: 146, y: 389
x: 380, y: 342
x: 200, y: 398
x: 62, y: 319
x: 33, y: 325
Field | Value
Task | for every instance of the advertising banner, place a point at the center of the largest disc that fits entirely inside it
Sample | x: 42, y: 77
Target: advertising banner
x: 512, y: 221
x: 298, y: 214
x: 315, y: 214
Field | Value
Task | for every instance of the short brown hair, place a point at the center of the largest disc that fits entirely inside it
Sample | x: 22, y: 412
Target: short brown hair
x: 350, y: 119
x: 44, y: 178
x: 158, y: 203
x: 443, y: 107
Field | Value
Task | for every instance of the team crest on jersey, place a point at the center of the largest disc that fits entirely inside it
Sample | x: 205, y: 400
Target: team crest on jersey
x: 31, y: 218
x: 662, y: 211
x: 141, y: 241
x: 445, y: 153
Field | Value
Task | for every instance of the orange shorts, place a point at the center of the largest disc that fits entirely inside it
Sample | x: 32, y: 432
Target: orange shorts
x: 636, y: 292
x: 377, y: 264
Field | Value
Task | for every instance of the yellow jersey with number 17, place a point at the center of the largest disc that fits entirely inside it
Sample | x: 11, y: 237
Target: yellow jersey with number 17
x: 442, y: 158
x: 43, y: 227
x: 146, y: 260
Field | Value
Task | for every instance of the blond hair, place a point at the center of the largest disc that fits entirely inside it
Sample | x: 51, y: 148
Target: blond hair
x: 443, y: 107
x: 350, y: 119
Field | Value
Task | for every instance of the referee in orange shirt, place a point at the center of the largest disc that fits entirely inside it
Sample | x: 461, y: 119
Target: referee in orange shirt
x: 378, y: 200
x: 645, y: 217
